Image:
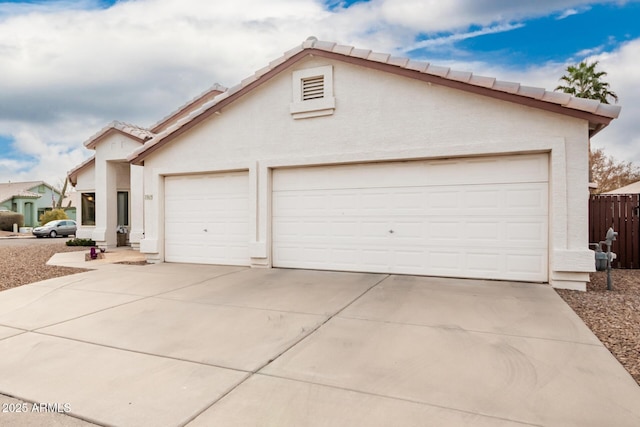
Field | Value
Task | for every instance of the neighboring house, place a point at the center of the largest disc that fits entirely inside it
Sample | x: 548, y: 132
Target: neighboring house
x: 337, y: 158
x: 633, y: 188
x: 31, y: 199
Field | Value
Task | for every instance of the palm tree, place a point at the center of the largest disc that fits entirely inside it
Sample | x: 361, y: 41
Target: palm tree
x: 583, y: 81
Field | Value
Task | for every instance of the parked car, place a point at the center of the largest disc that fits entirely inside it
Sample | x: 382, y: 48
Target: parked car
x: 59, y: 227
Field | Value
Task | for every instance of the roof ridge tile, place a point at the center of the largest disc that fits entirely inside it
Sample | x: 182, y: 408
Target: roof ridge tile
x: 584, y: 104
x: 436, y: 70
x: 504, y: 86
x: 532, y: 92
x: 360, y: 53
x: 460, y: 76
x: 482, y: 81
x: 466, y: 77
x: 379, y: 57
x: 419, y: 66
x: 398, y: 61
x: 342, y: 49
x: 324, y: 45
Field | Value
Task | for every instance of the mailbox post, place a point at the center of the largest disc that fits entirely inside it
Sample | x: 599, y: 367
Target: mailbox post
x: 604, y: 259
x: 609, y: 238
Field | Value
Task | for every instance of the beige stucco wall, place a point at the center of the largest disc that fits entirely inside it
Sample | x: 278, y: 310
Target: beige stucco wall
x: 86, y: 179
x: 379, y: 116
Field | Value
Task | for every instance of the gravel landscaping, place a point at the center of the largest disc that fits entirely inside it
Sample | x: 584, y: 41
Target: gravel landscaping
x: 20, y: 265
x: 613, y: 316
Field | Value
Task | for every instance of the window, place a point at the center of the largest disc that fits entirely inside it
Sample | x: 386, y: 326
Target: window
x: 88, y: 208
x: 41, y: 188
x: 123, y: 208
x: 313, y: 93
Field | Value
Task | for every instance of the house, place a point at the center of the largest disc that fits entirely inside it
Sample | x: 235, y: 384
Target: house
x: 31, y: 199
x: 338, y: 158
x: 633, y: 188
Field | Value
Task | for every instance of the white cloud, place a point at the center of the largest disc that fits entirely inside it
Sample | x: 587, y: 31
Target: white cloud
x: 67, y: 70
x: 432, y: 16
x: 449, y: 39
x: 567, y: 13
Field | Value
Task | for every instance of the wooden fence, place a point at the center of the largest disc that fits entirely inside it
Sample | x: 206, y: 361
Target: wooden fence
x: 622, y: 211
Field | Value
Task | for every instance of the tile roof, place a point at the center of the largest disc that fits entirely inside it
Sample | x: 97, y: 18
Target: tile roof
x: 208, y: 94
x: 9, y: 190
x: 565, y: 100
x: 73, y: 173
x: 594, y: 111
x: 135, y: 131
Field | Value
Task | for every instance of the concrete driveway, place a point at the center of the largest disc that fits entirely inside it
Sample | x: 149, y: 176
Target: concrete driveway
x: 171, y: 344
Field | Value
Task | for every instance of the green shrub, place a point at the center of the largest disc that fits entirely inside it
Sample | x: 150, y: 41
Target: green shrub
x: 81, y: 242
x: 52, y: 215
x: 7, y: 219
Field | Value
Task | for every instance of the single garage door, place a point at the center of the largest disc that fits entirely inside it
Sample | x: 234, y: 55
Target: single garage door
x: 471, y: 217
x: 207, y: 218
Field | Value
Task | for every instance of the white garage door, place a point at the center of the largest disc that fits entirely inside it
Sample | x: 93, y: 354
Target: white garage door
x: 473, y: 217
x: 207, y: 218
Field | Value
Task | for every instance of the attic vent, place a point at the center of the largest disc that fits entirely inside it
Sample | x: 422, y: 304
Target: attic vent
x: 313, y: 88
x: 312, y: 93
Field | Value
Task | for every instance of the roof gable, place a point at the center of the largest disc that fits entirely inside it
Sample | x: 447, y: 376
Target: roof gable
x: 73, y: 173
x: 596, y: 113
x: 9, y: 190
x: 137, y: 133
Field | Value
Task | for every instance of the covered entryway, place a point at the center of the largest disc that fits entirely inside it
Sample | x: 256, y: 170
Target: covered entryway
x: 207, y: 218
x: 483, y: 217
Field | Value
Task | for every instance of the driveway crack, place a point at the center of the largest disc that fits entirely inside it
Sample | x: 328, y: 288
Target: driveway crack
x: 298, y: 341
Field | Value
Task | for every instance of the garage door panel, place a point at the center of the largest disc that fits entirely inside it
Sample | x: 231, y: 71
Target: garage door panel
x: 484, y: 199
x: 485, y: 218
x: 525, y: 263
x: 460, y: 232
x: 528, y: 201
x: 505, y: 169
x: 483, y: 262
x: 458, y: 200
x: 481, y: 231
x: 531, y: 233
x: 207, y: 218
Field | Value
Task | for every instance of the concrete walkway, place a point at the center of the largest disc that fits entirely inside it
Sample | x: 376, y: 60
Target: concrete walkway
x: 172, y: 345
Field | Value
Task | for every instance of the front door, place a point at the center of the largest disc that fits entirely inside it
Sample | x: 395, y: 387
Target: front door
x: 123, y: 209
x: 28, y: 215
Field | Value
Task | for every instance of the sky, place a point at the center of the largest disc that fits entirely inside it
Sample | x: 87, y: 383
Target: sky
x: 70, y: 67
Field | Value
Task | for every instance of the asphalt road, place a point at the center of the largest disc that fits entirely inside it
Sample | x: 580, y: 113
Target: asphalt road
x: 4, y: 242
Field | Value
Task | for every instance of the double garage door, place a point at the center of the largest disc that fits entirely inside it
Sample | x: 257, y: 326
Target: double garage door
x: 476, y: 217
